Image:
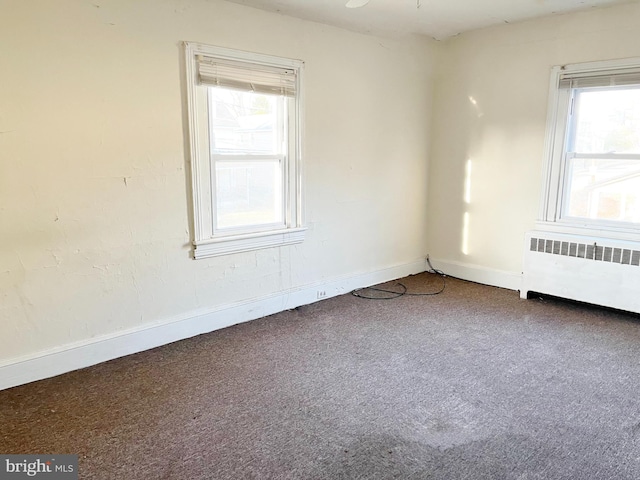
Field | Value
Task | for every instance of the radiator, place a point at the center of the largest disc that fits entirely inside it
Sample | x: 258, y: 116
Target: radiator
x: 588, y: 269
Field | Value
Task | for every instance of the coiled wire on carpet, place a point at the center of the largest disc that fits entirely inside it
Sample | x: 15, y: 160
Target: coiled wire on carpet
x: 392, y: 294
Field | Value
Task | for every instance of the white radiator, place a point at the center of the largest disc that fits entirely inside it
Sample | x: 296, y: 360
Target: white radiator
x: 588, y: 269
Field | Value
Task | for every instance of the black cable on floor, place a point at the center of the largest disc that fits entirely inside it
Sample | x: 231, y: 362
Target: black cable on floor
x: 392, y: 294
x: 358, y: 292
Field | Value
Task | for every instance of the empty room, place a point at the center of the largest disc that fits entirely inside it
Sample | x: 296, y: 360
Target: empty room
x: 320, y: 239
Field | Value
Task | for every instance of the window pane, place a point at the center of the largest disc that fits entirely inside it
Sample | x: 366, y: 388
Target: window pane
x: 248, y: 193
x: 608, y: 120
x: 245, y: 122
x: 604, y: 189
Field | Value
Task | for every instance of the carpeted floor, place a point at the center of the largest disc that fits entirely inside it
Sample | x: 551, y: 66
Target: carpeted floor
x: 474, y: 383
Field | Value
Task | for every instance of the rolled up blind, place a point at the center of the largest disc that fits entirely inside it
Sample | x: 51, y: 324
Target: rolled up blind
x: 600, y: 79
x: 246, y: 77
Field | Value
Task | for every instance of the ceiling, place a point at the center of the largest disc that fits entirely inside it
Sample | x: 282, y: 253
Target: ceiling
x: 439, y: 19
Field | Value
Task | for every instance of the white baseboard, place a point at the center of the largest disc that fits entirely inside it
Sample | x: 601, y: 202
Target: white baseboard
x: 66, y: 358
x: 479, y: 274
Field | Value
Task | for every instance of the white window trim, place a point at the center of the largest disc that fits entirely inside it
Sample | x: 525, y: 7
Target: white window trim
x: 206, y: 243
x: 550, y: 208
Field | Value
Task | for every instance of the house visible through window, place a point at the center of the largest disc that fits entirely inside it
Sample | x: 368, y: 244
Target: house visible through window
x: 245, y: 117
x: 248, y: 154
x: 593, y: 172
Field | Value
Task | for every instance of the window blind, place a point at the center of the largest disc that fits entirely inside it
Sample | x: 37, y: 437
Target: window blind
x: 246, y: 77
x: 600, y: 79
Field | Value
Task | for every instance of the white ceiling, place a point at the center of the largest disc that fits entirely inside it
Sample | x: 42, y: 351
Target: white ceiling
x: 435, y: 18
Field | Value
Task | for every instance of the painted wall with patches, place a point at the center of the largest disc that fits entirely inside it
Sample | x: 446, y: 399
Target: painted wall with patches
x: 93, y: 190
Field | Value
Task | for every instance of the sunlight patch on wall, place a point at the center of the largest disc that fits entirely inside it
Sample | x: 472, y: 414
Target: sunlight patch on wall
x: 474, y: 102
x: 468, y: 168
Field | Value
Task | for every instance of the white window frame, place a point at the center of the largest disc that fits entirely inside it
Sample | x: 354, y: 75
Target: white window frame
x: 556, y: 141
x: 207, y: 242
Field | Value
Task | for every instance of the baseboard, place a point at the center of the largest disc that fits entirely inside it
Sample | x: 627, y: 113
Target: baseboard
x: 479, y: 274
x: 66, y: 358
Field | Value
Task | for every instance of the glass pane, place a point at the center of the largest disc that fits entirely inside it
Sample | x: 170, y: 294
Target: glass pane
x: 605, y: 189
x: 245, y: 122
x: 608, y: 121
x: 248, y: 193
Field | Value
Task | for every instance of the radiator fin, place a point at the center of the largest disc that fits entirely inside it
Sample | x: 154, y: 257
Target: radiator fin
x: 589, y: 251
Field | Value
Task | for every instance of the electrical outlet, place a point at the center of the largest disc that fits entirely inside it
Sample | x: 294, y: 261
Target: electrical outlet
x: 322, y: 294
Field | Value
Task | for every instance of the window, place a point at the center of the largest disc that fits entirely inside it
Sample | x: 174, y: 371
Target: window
x: 593, y: 148
x: 245, y: 139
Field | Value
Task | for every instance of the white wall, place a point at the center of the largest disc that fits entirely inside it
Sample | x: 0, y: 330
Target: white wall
x: 505, y: 70
x: 93, y: 191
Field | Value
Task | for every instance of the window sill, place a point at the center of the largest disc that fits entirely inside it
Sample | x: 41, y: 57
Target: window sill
x: 246, y: 243
x: 614, y: 233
